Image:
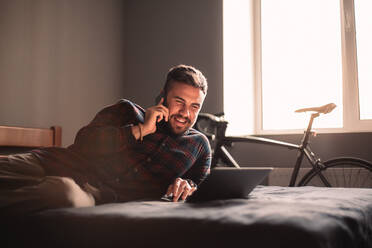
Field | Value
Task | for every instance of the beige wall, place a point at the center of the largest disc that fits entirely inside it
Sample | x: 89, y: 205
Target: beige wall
x: 60, y: 61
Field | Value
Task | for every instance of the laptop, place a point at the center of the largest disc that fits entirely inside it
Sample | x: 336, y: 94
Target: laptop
x: 229, y: 182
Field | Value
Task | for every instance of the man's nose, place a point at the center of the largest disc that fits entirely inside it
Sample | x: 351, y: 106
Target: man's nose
x: 185, y: 112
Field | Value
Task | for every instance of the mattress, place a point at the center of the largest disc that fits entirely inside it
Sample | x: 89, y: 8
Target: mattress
x: 271, y: 216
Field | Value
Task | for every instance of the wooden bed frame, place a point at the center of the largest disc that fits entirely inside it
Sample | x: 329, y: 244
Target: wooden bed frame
x: 21, y: 137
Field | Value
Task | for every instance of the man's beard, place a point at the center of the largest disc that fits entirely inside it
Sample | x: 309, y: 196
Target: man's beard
x: 173, y: 130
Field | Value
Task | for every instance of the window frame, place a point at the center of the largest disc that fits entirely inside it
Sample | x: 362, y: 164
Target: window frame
x: 351, y: 119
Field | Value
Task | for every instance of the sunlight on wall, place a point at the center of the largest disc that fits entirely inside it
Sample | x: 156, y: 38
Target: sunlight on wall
x: 301, y: 61
x: 238, y: 70
x: 363, y: 21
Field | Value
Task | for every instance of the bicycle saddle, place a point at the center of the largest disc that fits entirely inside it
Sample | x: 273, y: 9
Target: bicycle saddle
x: 325, y: 109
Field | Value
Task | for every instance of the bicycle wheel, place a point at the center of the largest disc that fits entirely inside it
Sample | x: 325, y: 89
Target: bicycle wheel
x: 341, y: 172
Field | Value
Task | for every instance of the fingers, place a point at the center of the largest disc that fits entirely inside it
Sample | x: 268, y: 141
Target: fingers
x: 154, y: 115
x: 186, y: 192
x: 164, y: 110
x: 161, y: 112
x: 181, y: 188
x: 169, y: 190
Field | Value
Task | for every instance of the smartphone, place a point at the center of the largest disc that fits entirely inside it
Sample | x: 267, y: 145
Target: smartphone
x: 157, y: 100
x: 159, y: 97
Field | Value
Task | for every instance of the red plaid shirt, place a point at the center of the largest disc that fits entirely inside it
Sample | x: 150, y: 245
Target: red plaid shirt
x: 105, y: 152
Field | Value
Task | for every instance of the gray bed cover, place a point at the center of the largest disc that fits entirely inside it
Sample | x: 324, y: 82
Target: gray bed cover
x: 269, y: 217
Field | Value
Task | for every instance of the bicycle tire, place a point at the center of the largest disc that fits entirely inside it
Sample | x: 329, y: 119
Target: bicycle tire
x: 344, y: 172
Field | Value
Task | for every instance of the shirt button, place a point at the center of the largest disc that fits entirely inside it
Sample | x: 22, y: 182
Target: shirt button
x: 148, y: 160
x: 135, y: 170
x: 117, y: 179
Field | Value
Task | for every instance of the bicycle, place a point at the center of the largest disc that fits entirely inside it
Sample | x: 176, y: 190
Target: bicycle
x: 335, y: 172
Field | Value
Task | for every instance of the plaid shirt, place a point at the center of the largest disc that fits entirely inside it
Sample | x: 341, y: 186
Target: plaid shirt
x: 105, y: 151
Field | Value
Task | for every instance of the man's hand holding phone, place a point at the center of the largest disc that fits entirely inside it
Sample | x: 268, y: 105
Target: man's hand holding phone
x: 154, y: 115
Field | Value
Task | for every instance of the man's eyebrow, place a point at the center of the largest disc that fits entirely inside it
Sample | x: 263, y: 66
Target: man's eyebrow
x: 180, y: 98
x: 196, y: 104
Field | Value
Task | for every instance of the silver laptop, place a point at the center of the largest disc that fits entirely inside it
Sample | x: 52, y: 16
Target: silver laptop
x: 230, y: 182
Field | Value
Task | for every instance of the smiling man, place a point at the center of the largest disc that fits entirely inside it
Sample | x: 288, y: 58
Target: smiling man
x: 125, y: 153
x: 182, y: 98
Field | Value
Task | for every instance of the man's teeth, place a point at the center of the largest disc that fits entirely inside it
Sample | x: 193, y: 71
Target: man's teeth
x: 181, y: 120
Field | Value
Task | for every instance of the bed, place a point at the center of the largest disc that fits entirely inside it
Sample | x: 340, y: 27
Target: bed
x: 271, y: 216
x: 20, y: 139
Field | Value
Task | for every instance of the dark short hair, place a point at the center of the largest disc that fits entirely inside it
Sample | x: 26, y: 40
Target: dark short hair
x: 188, y: 75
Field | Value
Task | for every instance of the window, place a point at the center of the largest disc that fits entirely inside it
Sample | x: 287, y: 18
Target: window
x: 363, y: 23
x: 301, y: 53
x: 238, y: 79
x: 301, y: 61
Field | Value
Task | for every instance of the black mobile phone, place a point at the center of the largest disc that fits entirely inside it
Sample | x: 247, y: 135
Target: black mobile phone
x: 159, y: 97
x: 157, y: 100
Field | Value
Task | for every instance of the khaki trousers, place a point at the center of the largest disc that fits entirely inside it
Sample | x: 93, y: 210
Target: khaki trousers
x: 24, y: 187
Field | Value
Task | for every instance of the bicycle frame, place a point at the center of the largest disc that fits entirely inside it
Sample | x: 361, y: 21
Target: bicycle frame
x: 303, y: 149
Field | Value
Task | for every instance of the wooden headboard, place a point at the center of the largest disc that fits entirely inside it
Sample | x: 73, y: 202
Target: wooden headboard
x: 30, y: 137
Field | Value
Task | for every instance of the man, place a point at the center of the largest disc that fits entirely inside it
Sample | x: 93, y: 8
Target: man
x: 125, y: 153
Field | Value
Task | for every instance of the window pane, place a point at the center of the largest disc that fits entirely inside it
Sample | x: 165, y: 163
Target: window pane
x: 363, y: 22
x: 237, y: 56
x: 301, y: 61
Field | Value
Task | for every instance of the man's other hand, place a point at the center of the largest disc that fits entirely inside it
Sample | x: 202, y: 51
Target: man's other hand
x: 180, y: 188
